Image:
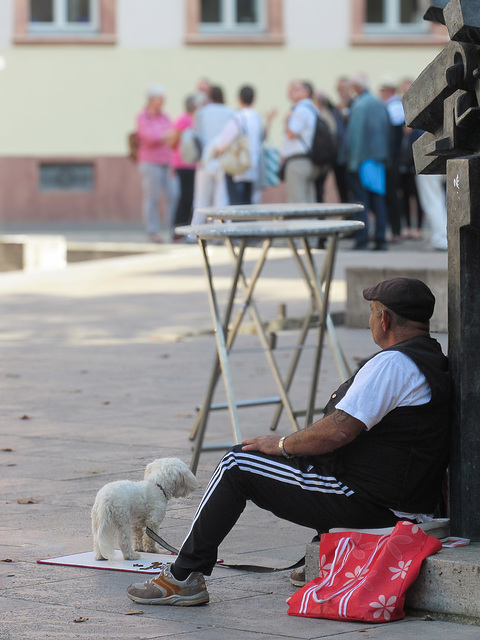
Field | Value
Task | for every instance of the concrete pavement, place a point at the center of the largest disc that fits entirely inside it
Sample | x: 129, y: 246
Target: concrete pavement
x: 103, y: 364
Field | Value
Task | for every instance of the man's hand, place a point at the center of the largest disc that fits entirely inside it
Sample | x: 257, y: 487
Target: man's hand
x: 330, y: 433
x: 265, y: 444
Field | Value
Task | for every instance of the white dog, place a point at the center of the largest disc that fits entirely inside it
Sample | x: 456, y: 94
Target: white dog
x: 124, y: 508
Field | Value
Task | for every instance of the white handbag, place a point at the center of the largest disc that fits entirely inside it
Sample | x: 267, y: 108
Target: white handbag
x: 236, y: 158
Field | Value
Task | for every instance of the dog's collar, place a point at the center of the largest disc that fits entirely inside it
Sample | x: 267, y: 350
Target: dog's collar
x: 163, y: 490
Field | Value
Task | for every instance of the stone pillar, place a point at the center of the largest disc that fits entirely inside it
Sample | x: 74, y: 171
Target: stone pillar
x: 463, y: 205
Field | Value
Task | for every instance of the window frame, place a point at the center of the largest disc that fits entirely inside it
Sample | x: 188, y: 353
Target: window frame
x: 432, y: 34
x: 229, y: 25
x: 268, y: 30
x: 392, y: 24
x: 60, y: 25
x: 105, y: 33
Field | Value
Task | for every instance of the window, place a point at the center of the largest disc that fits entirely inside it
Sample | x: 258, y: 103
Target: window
x: 395, y: 16
x: 65, y: 21
x: 234, y: 22
x: 394, y: 22
x: 63, y: 16
x: 227, y: 16
x: 66, y: 177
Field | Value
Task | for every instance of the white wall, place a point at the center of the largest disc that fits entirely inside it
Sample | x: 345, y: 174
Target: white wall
x: 150, y: 23
x: 161, y: 23
x: 317, y: 23
x: 6, y: 22
x: 74, y: 100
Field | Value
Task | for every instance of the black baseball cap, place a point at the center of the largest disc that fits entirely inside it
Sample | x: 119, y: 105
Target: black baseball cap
x: 409, y: 297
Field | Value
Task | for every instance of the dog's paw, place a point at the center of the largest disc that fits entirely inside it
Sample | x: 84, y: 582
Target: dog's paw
x: 131, y: 556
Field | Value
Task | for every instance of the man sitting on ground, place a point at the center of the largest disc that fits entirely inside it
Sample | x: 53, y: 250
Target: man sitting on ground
x: 377, y: 456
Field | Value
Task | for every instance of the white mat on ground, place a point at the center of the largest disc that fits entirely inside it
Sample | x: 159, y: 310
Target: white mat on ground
x: 148, y: 562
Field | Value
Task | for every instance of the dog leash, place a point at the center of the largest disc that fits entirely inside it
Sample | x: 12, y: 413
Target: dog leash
x: 163, y: 543
x: 241, y: 567
x: 255, y: 568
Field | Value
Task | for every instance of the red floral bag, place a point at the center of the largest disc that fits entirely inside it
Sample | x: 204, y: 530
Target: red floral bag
x: 363, y: 576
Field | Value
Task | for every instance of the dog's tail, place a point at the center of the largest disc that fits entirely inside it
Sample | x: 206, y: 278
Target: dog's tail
x: 103, y: 532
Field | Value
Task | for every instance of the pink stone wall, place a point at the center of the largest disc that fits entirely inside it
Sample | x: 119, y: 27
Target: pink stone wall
x: 116, y: 195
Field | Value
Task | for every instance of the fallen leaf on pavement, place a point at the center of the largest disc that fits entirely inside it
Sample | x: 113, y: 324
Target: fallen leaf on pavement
x: 80, y: 619
x: 136, y: 612
x: 27, y: 501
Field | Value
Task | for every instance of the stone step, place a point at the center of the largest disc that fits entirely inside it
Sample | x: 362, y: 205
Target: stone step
x: 83, y: 251
x: 32, y: 252
x: 448, y: 585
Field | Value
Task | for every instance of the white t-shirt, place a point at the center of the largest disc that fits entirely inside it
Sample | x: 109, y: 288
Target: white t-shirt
x: 389, y: 380
x: 301, y: 122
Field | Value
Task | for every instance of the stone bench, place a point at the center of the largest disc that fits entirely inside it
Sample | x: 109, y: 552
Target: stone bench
x: 359, y: 278
x: 32, y: 252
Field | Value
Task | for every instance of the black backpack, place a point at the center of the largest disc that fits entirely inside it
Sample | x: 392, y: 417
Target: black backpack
x: 324, y: 146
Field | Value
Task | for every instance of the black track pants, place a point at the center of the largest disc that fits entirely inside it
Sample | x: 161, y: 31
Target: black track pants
x: 293, y: 489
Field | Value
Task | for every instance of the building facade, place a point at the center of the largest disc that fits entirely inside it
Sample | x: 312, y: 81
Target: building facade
x: 73, y: 75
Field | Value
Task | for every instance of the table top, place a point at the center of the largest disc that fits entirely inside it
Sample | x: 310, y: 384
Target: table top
x: 281, y: 210
x: 263, y: 229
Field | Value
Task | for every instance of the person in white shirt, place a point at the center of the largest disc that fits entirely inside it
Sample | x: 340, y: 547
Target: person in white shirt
x: 300, y: 172
x: 210, y: 186
x: 246, y: 121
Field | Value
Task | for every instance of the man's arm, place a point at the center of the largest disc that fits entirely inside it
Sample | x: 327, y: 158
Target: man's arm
x: 230, y: 132
x: 296, y: 122
x: 330, y: 433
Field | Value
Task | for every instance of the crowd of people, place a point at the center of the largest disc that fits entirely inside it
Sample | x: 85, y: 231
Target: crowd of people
x: 372, y: 161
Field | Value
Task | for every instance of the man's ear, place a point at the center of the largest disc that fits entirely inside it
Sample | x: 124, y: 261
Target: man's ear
x: 386, y: 320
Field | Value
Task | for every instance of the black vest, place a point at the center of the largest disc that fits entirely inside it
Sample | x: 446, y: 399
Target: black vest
x: 400, y: 463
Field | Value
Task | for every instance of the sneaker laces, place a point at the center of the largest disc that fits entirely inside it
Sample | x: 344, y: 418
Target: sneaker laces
x: 162, y: 569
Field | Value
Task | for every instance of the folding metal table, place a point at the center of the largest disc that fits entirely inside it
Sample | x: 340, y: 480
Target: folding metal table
x: 285, y: 211
x: 238, y: 236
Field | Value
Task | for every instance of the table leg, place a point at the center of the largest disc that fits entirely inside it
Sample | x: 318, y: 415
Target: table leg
x: 322, y: 304
x: 339, y: 356
x: 231, y: 335
x: 250, y: 304
x: 221, y: 329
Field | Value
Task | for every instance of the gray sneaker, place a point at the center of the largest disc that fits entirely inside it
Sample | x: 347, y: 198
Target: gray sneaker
x: 165, y: 589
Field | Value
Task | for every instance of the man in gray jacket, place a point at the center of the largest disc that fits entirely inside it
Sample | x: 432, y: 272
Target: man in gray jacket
x: 367, y: 152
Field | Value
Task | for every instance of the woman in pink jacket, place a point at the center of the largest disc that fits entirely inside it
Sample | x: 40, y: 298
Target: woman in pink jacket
x: 154, y: 130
